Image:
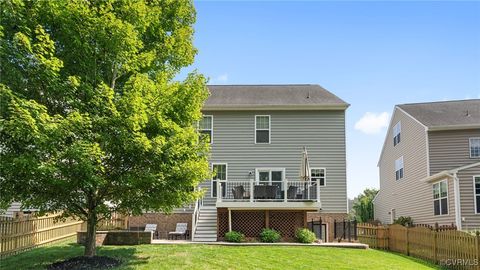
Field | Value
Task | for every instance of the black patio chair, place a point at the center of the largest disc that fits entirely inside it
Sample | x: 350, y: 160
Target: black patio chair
x: 238, y: 192
x: 292, y: 192
x: 271, y: 192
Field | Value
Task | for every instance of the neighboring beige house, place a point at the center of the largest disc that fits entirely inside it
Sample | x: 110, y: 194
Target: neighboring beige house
x: 430, y: 164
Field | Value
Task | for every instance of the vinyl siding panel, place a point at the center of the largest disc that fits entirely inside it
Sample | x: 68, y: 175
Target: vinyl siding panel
x: 408, y: 196
x: 322, y: 132
x: 450, y: 150
x: 467, y: 198
x: 14, y: 207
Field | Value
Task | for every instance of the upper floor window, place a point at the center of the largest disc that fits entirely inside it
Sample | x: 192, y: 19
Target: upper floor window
x: 318, y: 175
x: 476, y: 182
x: 474, y: 147
x: 262, y: 128
x: 399, y: 168
x: 397, y: 129
x: 205, y: 127
x: 440, y: 198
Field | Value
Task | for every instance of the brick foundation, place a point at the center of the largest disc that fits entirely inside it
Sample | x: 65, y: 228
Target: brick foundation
x: 165, y: 223
x: 327, y: 218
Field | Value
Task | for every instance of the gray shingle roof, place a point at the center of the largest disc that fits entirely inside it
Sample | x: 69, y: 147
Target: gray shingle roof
x: 271, y: 96
x: 445, y: 114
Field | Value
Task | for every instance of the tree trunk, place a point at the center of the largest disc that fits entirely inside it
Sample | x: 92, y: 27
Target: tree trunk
x: 90, y: 243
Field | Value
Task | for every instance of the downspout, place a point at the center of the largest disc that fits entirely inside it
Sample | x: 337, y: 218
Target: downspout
x: 456, y: 191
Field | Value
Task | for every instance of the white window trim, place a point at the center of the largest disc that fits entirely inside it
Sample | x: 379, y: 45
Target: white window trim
x: 470, y: 146
x: 448, y: 199
x: 403, y: 167
x: 324, y: 175
x: 269, y: 129
x: 475, y: 196
x: 398, y: 126
x: 211, y: 128
x: 226, y: 175
x: 269, y: 169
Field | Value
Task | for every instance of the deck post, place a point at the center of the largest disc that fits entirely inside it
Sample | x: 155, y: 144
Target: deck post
x: 285, y: 186
x: 318, y: 190
x: 251, y: 189
x: 219, y: 191
x: 229, y: 220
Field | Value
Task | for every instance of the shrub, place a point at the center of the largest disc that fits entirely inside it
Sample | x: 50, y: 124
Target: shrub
x: 269, y: 236
x: 234, y: 236
x: 405, y: 221
x: 305, y: 236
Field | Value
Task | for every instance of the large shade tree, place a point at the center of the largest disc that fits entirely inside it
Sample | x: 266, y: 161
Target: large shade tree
x: 92, y: 118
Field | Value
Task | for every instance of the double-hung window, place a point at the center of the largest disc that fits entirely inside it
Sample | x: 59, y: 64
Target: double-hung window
x: 397, y: 129
x: 440, y: 198
x: 399, y: 168
x: 205, y: 127
x: 262, y: 128
x: 318, y: 176
x: 474, y: 147
x: 476, y: 182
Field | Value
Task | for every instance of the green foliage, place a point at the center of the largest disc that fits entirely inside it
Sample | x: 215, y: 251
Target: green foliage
x: 405, y: 221
x: 234, y: 236
x: 269, y: 236
x: 91, y: 119
x: 363, y: 205
x: 304, y: 235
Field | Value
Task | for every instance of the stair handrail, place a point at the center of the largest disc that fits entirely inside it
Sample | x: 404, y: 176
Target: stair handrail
x: 196, y: 214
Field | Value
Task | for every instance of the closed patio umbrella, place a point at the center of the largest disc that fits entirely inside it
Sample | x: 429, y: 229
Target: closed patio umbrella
x: 305, y: 171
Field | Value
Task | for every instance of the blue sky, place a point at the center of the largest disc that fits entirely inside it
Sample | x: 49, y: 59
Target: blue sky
x: 371, y: 54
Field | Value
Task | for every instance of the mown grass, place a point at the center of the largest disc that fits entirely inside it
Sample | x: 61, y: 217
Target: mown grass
x: 222, y: 257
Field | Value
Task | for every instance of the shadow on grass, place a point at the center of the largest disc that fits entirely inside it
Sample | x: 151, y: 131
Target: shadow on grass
x: 41, y: 257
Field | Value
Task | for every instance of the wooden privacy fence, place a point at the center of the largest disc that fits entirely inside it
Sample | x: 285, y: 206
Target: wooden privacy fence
x: 115, y: 222
x: 18, y: 235
x: 451, y: 248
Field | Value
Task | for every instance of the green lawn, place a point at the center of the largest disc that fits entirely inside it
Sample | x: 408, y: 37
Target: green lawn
x: 222, y: 257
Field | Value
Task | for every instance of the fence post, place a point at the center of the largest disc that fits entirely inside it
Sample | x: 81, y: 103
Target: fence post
x: 377, y: 236
x: 434, y: 246
x: 334, y: 228
x: 355, y: 236
x: 343, y: 233
x: 320, y: 230
x: 407, y: 243
x: 477, y: 246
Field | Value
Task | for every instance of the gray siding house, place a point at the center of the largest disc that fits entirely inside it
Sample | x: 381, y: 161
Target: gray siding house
x: 257, y: 135
x: 430, y: 165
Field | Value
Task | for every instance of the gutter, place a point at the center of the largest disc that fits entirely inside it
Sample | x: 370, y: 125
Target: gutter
x: 456, y: 191
x: 300, y: 107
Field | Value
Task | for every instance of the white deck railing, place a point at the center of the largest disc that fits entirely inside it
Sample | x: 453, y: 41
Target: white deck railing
x: 196, y: 215
x: 267, y: 191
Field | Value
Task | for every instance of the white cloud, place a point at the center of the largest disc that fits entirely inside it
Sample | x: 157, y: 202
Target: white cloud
x: 221, y: 79
x: 372, y: 123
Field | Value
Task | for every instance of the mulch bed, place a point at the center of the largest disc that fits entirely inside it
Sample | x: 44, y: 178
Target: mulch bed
x: 81, y: 263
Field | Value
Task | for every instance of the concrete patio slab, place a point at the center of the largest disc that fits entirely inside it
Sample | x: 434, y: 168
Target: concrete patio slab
x: 333, y: 244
